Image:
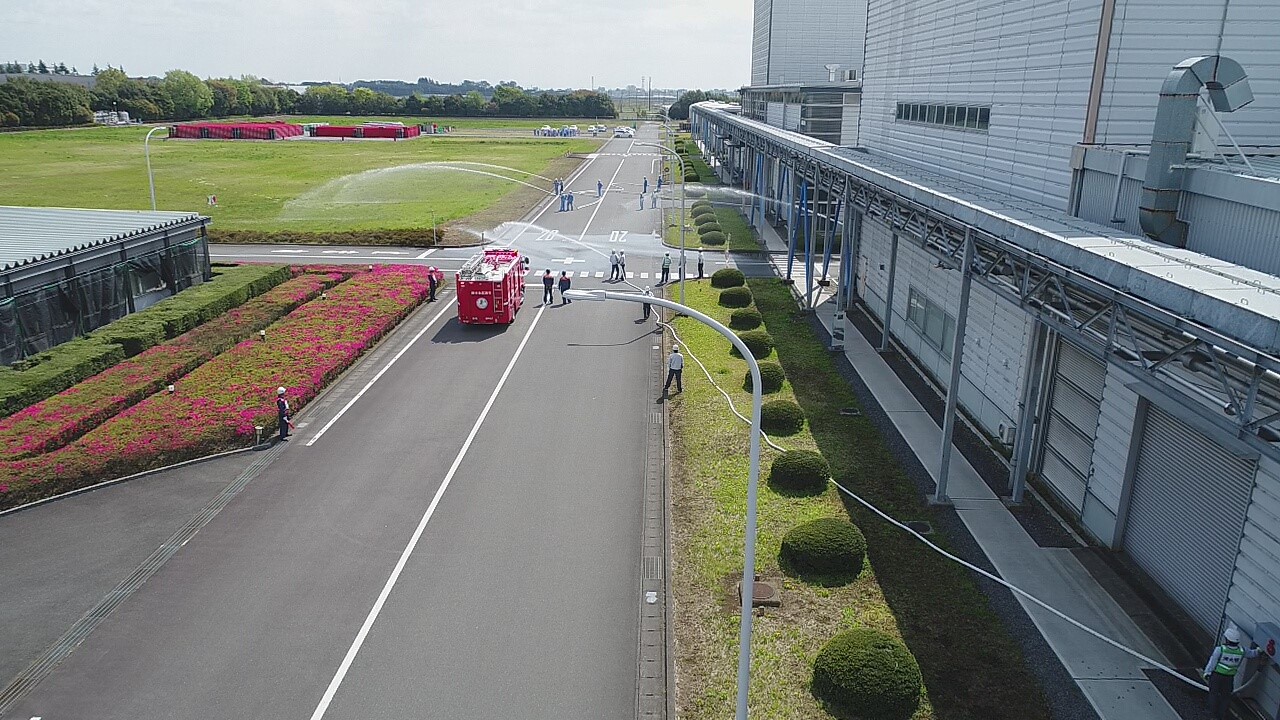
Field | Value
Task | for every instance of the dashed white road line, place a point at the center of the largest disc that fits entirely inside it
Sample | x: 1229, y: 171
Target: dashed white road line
x: 417, y: 533
x: 426, y: 253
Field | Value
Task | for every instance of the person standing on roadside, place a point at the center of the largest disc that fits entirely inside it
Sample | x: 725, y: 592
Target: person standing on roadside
x: 675, y: 368
x: 613, y: 264
x: 699, y: 263
x: 599, y: 188
x: 282, y: 413
x: 646, y: 185
x: 548, y: 285
x: 641, y: 201
x: 433, y: 282
x: 622, y: 265
x: 564, y: 286
x: 647, y: 307
x: 570, y: 200
x: 666, y: 269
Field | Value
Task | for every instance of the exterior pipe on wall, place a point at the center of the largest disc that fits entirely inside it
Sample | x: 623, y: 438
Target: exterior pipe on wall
x: 1171, y: 138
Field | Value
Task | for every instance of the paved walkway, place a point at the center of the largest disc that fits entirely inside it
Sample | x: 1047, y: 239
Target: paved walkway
x: 1112, y: 681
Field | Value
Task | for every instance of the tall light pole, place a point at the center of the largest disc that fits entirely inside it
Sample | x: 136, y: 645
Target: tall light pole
x: 682, y: 208
x: 753, y: 473
x: 146, y: 149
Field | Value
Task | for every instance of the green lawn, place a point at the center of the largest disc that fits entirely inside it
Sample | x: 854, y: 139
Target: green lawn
x: 971, y: 667
x: 291, y: 185
x: 741, y: 236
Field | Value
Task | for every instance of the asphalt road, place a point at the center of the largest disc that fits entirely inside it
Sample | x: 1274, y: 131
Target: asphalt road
x: 464, y: 541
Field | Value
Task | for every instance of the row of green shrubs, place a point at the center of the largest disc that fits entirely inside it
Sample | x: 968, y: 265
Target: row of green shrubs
x: 48, y: 373
x: 704, y: 219
x: 860, y: 673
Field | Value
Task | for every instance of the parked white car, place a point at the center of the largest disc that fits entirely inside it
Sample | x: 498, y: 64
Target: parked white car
x: 624, y: 132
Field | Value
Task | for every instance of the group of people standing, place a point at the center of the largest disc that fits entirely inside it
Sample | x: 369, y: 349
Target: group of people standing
x: 617, y: 265
x: 549, y: 284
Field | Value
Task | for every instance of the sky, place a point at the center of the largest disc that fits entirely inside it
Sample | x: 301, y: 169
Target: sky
x: 543, y: 43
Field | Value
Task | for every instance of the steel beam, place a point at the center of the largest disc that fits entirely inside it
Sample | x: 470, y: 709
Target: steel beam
x: 953, y: 385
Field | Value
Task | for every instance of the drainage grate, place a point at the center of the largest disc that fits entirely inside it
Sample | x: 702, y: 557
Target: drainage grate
x: 652, y: 567
x: 924, y: 527
x: 81, y: 630
x: 655, y: 417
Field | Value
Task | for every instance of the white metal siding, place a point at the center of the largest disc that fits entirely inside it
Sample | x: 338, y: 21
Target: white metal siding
x: 1238, y: 233
x: 1186, y: 511
x: 1116, y: 425
x: 1030, y: 60
x: 806, y: 35
x: 791, y: 117
x: 773, y: 113
x: 760, y: 42
x: 1255, y: 596
x: 849, y: 124
x: 1149, y: 37
x: 996, y: 337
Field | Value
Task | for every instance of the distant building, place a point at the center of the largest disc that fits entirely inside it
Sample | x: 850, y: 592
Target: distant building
x: 65, y: 272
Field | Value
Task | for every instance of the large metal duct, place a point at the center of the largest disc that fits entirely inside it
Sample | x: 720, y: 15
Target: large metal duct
x: 1174, y: 129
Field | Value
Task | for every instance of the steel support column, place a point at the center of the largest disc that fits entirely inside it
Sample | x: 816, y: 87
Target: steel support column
x: 832, y: 224
x: 888, y: 294
x: 811, y: 227
x: 1028, y: 403
x: 791, y: 223
x: 957, y: 356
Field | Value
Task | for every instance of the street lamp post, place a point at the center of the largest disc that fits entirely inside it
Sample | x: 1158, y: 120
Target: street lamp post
x: 683, y: 219
x: 753, y: 473
x: 146, y: 149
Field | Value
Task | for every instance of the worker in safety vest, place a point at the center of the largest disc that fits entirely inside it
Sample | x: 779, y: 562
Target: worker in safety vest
x: 666, y: 269
x: 1220, y: 672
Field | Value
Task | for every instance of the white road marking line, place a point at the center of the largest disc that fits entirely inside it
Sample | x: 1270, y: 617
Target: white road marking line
x: 600, y: 274
x: 386, y: 252
x: 572, y: 176
x: 384, y: 369
x: 426, y: 253
x: 644, y: 276
x: 291, y: 252
x: 417, y: 533
x: 339, y: 252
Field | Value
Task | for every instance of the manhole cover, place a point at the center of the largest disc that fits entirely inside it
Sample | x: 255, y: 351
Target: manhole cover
x: 763, y: 594
x: 921, y: 526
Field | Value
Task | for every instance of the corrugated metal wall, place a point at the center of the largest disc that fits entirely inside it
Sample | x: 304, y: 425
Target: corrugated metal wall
x: 1097, y: 194
x: 806, y: 35
x: 761, y: 28
x: 996, y: 339
x: 1232, y: 231
x: 1255, y: 596
x: 1116, y: 417
x: 1149, y: 37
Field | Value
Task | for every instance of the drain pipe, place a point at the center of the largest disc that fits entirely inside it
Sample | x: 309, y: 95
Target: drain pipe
x: 1171, y: 138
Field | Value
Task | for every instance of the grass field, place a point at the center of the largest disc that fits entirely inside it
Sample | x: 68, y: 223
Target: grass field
x: 294, y: 185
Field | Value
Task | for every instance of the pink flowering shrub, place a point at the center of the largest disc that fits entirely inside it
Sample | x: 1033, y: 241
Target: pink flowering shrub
x: 54, y: 422
x: 219, y: 403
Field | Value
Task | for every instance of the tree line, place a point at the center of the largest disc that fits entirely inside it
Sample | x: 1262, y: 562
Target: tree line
x: 37, y: 68
x: 180, y: 95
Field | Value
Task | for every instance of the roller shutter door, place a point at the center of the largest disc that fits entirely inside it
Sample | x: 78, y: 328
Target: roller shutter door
x: 1186, y: 513
x: 1072, y: 424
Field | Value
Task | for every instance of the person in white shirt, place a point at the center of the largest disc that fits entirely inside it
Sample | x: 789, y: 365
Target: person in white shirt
x: 675, y: 368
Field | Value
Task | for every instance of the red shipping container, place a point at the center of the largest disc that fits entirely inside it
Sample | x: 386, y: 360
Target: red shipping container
x: 490, y: 288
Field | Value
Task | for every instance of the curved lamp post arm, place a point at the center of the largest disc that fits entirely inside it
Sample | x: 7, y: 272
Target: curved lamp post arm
x: 683, y: 217
x: 753, y: 477
x: 146, y: 149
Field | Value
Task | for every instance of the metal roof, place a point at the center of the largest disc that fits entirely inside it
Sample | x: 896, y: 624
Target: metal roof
x: 33, y: 234
x: 1242, y: 302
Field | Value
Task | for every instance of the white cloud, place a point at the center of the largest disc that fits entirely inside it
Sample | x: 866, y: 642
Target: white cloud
x: 548, y: 43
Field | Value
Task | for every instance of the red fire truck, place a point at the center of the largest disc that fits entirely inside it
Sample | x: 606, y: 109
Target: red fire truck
x: 490, y: 288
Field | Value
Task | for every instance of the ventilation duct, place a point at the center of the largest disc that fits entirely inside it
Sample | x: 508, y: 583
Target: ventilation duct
x: 1229, y: 91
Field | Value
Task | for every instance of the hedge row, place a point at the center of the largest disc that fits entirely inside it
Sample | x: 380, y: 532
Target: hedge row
x: 43, y: 375
x: 56, y: 421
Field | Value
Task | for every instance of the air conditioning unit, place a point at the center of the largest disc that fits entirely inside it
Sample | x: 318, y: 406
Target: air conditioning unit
x: 1008, y: 433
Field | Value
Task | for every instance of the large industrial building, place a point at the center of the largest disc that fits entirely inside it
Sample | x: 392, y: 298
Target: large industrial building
x: 1077, y: 203
x: 65, y: 272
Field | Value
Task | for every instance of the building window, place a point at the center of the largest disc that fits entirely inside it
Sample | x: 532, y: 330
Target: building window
x: 967, y: 117
x: 935, y: 325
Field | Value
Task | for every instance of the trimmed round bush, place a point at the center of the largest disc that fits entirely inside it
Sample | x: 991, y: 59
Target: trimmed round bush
x: 771, y: 377
x: 735, y: 297
x: 745, y: 319
x: 706, y: 220
x: 712, y: 238
x: 727, y: 278
x: 702, y: 210
x: 866, y: 673
x: 781, y: 417
x: 691, y: 177
x: 824, y: 547
x: 803, y: 471
x: 758, y: 341
x: 709, y: 227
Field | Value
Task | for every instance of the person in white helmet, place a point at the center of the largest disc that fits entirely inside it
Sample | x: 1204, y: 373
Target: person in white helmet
x: 282, y: 412
x: 1220, y: 671
x: 675, y: 368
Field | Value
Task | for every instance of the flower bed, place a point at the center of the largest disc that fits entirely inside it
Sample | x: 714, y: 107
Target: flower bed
x: 217, y: 405
x: 50, y: 424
